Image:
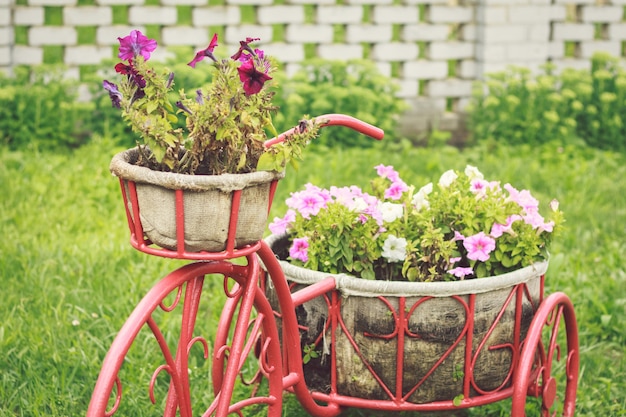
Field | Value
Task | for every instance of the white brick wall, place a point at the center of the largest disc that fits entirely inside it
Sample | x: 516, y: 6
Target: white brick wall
x: 216, y: 15
x: 477, y: 36
x: 87, y: 16
x: 271, y: 15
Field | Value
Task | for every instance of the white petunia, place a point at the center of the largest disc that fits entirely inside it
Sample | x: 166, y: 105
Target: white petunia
x: 447, y: 178
x: 394, y: 249
x: 420, y: 199
x: 473, y: 173
x: 391, y: 211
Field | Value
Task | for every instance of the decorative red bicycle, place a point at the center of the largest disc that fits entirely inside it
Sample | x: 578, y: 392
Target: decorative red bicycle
x: 258, y: 345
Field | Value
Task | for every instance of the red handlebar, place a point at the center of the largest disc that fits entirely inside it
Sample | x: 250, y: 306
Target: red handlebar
x: 337, y: 120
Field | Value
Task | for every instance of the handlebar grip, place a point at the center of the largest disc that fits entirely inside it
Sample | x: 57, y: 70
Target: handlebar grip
x: 337, y: 120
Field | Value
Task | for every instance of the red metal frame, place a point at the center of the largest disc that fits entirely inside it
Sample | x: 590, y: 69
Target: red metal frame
x: 248, y: 329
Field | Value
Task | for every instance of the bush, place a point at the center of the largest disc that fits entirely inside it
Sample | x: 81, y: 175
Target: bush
x: 354, y: 87
x: 515, y: 106
x: 38, y: 107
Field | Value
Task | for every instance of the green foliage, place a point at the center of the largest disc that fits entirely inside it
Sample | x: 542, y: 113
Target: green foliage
x: 353, y: 87
x: 515, y: 106
x: 70, y: 279
x: 38, y: 108
x: 463, y: 227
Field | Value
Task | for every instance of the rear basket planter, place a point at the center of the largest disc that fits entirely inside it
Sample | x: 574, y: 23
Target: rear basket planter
x: 207, y: 205
x: 415, y: 342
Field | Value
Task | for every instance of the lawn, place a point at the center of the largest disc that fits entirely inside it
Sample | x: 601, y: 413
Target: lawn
x: 69, y: 277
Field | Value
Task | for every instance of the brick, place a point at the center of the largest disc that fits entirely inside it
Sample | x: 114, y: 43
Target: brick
x: 317, y: 2
x: 467, y: 69
x: 395, y: 14
x: 377, y: 2
x: 107, y: 35
x: 183, y: 2
x: 491, y: 15
x: 451, y: 87
x: 286, y: 52
x: 368, y: 33
x: 52, y: 35
x: 558, y: 13
x: 339, y: 14
x: 587, y: 49
x: 6, y: 36
x: 384, y: 68
x: 617, y: 31
x: 581, y: 64
x: 27, y: 55
x: 86, y: 54
x: 504, y: 34
x: 87, y: 16
x: 309, y: 33
x: 270, y: 15
x: 450, y: 50
x: 408, y: 88
x: 119, y: 2
x: 216, y: 16
x: 490, y: 53
x: 527, y: 51
x: 52, y: 2
x: 446, y: 14
x: 423, y: 69
x: 235, y: 34
x: 425, y: 1
x: 28, y: 16
x: 572, y: 31
x: 5, y: 55
x: 539, y: 33
x: 152, y: 15
x: 556, y: 50
x: 340, y: 51
x: 425, y: 32
x: 395, y: 51
x: 185, y: 35
x: 601, y: 14
x: 469, y: 33
x: 529, y: 14
x: 5, y: 16
x: 250, y: 2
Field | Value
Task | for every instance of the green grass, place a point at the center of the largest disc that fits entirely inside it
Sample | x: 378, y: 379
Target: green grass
x: 69, y: 277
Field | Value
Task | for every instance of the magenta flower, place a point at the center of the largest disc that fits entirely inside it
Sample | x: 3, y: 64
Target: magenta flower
x: 479, y: 246
x: 244, y: 46
x: 309, y: 201
x: 461, y: 272
x: 114, y: 93
x: 280, y: 225
x: 299, y: 249
x: 136, y: 44
x: 208, y: 52
x: 252, y: 79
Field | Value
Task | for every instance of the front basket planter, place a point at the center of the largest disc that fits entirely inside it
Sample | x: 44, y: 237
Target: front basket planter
x: 193, y: 213
x: 412, y: 341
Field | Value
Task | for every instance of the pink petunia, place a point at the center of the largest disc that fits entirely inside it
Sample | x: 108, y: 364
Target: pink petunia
x: 498, y: 230
x: 395, y: 191
x: 299, y: 249
x: 523, y: 198
x: 479, y: 246
x: 280, y: 225
x: 387, y: 171
x: 461, y: 272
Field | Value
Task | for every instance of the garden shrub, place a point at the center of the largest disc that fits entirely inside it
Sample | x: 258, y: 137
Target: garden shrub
x: 515, y: 106
x: 353, y: 87
x: 38, y: 107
